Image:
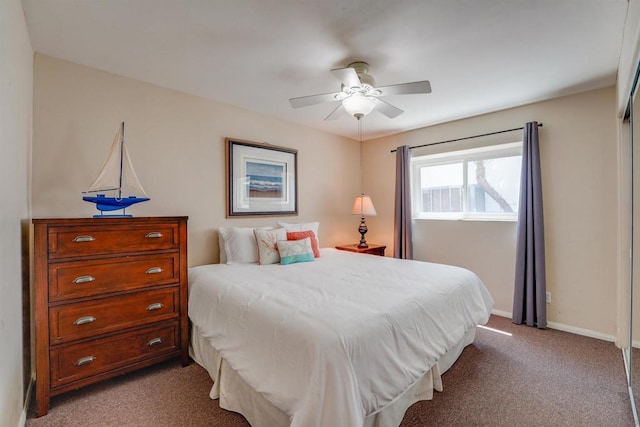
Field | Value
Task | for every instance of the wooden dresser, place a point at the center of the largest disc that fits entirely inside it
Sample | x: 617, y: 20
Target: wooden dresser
x: 110, y: 297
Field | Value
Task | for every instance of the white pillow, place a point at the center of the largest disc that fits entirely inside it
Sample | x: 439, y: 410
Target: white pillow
x: 239, y: 245
x: 302, y: 226
x: 266, y: 241
x: 223, y: 250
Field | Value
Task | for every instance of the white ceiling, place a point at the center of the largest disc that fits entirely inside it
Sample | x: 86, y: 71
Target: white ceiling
x: 479, y: 55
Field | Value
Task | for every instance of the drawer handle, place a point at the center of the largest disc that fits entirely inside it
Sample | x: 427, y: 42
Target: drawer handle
x: 153, y: 235
x: 83, y: 279
x: 84, y: 360
x: 84, y: 320
x: 80, y: 239
x: 154, y: 270
x: 155, y: 306
x: 155, y: 341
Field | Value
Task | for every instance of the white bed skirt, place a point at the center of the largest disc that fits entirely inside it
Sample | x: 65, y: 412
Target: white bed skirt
x: 237, y: 396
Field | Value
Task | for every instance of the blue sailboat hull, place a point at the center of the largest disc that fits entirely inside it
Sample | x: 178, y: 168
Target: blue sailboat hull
x: 108, y: 204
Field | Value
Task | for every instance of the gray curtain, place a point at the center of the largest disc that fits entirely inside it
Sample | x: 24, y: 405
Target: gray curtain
x: 403, y: 230
x: 529, y: 302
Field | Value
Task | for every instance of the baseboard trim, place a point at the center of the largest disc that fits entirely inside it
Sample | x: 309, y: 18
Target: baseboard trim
x: 501, y: 313
x: 566, y: 328
x: 27, y: 402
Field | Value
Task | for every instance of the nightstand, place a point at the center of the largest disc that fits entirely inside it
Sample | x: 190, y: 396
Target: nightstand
x: 372, y: 249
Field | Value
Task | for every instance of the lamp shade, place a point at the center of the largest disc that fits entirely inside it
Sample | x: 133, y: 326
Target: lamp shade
x: 357, y: 104
x: 363, y: 206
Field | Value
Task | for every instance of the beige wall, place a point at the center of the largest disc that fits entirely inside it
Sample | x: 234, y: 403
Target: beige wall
x: 580, y: 190
x: 176, y: 142
x: 16, y: 86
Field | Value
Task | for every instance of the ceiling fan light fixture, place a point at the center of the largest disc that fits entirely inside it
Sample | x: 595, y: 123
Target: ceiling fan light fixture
x: 358, y: 105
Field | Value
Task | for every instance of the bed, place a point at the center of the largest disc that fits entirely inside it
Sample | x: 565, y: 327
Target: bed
x: 345, y: 340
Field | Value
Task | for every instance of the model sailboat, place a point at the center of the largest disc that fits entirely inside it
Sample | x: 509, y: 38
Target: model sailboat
x: 116, y: 187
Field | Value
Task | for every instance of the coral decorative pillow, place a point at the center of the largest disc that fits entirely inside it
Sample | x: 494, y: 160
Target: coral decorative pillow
x: 267, y: 244
x: 292, y: 251
x: 297, y: 235
x: 302, y: 226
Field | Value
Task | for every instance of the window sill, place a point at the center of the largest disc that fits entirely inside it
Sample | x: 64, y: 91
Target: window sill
x: 467, y: 219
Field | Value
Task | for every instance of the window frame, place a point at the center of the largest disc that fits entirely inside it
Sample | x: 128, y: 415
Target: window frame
x: 494, y: 151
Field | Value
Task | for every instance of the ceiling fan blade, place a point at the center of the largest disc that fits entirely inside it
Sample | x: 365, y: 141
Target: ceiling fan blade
x: 347, y: 76
x: 337, y: 112
x: 305, y: 101
x: 405, y: 88
x: 387, y: 109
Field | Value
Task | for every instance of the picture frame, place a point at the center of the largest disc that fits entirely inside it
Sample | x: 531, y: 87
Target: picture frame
x: 262, y: 179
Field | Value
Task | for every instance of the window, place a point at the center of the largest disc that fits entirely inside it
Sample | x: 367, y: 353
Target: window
x: 481, y: 183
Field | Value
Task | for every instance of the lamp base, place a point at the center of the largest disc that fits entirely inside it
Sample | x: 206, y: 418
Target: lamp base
x: 362, y: 229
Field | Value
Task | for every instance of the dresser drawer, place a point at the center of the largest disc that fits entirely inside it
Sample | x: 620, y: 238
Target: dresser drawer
x: 99, y: 239
x: 75, y: 279
x: 75, y: 362
x: 81, y: 320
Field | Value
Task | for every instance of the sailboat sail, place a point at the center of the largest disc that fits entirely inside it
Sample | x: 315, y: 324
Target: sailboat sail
x: 117, y: 177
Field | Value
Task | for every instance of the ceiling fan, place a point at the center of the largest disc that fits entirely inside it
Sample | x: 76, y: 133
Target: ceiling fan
x: 359, y: 94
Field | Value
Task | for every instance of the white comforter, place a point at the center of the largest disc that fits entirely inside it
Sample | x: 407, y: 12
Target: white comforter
x: 331, y: 341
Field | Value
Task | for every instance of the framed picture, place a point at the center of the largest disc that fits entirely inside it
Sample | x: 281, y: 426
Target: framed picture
x: 261, y: 179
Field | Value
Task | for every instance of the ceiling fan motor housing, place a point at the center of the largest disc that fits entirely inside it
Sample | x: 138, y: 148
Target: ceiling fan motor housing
x: 367, y: 81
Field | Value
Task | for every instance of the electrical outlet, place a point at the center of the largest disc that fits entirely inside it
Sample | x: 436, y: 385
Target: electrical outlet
x: 548, y: 297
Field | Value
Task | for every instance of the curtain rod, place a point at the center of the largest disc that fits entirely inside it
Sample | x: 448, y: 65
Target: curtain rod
x: 466, y: 137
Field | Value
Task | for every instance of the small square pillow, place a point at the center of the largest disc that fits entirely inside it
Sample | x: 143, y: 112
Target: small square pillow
x: 297, y: 235
x: 267, y: 244
x: 302, y: 226
x: 292, y: 251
